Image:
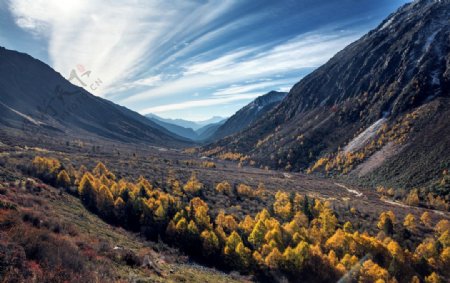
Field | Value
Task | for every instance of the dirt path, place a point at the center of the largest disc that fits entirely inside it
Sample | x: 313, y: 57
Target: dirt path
x: 355, y: 192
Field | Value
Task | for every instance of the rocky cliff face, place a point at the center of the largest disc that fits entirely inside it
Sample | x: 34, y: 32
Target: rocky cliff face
x: 397, y: 75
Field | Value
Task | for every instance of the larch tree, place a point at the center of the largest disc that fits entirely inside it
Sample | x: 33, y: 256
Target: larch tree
x: 256, y: 237
x: 426, y: 219
x: 410, y: 222
x: 63, y: 179
x: 87, y: 192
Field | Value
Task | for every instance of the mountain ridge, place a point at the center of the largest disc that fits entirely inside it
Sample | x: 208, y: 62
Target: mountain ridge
x: 390, y: 72
x: 40, y: 100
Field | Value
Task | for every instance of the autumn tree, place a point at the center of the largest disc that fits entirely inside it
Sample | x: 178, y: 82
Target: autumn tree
x: 386, y: 222
x: 256, y: 237
x: 413, y: 198
x: 371, y: 272
x: 282, y: 205
x: 274, y: 259
x: 433, y: 278
x: 193, y: 186
x: 328, y: 221
x: 233, y: 258
x: 224, y: 187
x: 426, y: 219
x: 87, y: 192
x: 119, y: 211
x: 227, y: 222
x: 348, y: 227
x: 247, y: 224
x: 100, y: 170
x: 105, y: 203
x: 210, y: 242
x: 295, y: 258
x: 63, y: 179
x: 410, y: 222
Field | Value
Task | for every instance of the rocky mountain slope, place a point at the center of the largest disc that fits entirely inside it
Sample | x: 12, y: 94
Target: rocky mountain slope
x: 248, y: 114
x: 36, y: 100
x: 378, y: 108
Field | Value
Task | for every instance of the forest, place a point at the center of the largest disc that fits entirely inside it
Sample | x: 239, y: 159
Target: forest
x: 296, y: 237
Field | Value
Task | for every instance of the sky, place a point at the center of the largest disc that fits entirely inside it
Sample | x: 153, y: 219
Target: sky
x: 189, y: 59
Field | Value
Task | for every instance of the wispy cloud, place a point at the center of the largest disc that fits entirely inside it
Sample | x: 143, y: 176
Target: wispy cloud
x: 114, y: 39
x: 169, y: 55
x: 199, y: 103
x: 307, y: 51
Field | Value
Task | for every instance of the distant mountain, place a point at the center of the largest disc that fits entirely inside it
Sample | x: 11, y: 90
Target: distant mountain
x: 379, y: 108
x: 205, y: 133
x: 248, y: 114
x: 195, y: 125
x: 176, y: 129
x: 36, y: 100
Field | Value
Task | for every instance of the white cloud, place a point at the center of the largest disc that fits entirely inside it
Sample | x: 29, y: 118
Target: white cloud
x: 199, y: 103
x: 237, y: 89
x: 114, y: 39
x: 305, y: 51
x: 135, y: 47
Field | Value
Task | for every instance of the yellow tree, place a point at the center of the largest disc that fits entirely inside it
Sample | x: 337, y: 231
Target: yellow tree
x: 247, y: 224
x: 396, y: 251
x: 275, y: 235
x: 100, y: 169
x: 105, y: 202
x: 386, y: 222
x: 426, y: 219
x: 224, y: 187
x: 282, y: 205
x: 231, y: 244
x: 327, y: 221
x: 63, y: 179
x: 87, y: 192
x: 348, y: 227
x: 338, y: 242
x: 371, y: 272
x: 193, y: 186
x: 120, y: 210
x: 227, y: 222
x: 294, y: 258
x: 245, y: 255
x: 210, y: 242
x: 433, y: 278
x: 410, y: 222
x: 274, y: 259
x: 256, y: 237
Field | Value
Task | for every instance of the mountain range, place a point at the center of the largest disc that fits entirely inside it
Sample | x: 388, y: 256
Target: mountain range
x: 194, y: 125
x: 35, y: 100
x: 217, y: 127
x: 378, y: 108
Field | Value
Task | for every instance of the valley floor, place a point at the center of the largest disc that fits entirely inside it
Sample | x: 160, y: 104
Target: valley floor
x: 111, y: 253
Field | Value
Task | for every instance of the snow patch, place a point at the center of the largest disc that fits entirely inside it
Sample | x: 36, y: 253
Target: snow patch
x: 364, y: 137
x: 388, y: 23
x: 430, y: 40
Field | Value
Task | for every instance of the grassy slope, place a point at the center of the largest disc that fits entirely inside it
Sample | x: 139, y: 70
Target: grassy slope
x: 69, y: 212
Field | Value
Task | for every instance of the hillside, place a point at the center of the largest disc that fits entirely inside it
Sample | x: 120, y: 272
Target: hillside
x: 384, y: 99
x: 248, y: 114
x: 36, y: 100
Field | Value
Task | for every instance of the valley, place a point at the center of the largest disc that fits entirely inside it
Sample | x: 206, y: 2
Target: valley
x: 328, y: 168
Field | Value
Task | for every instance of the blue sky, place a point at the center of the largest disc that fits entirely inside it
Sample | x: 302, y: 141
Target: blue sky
x: 190, y: 59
